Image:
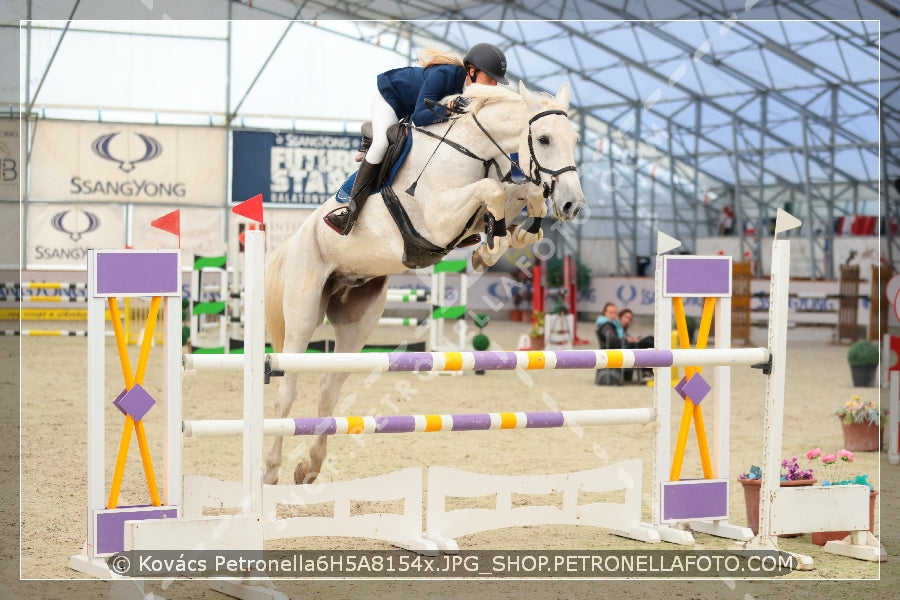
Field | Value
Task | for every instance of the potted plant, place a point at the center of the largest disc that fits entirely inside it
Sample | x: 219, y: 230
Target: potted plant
x: 537, y: 330
x: 480, y: 341
x: 751, y: 481
x: 863, y: 359
x: 862, y: 424
x: 832, y: 469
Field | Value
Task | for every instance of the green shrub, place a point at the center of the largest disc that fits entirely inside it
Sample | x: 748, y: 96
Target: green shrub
x: 863, y: 352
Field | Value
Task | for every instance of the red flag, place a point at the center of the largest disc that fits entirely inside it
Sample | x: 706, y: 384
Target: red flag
x: 252, y: 208
x: 170, y: 223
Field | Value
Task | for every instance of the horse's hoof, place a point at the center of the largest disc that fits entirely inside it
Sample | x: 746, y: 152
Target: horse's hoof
x: 478, y: 262
x: 301, y: 476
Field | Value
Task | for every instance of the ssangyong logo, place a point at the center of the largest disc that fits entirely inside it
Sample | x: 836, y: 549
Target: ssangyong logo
x: 152, y: 149
x: 110, y: 148
x: 75, y: 223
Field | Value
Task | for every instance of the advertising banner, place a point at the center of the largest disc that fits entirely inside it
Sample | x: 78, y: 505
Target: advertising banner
x: 9, y: 159
x: 296, y: 168
x: 79, y: 161
x: 59, y: 235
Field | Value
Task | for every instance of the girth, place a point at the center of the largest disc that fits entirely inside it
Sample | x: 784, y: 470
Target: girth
x: 417, y: 251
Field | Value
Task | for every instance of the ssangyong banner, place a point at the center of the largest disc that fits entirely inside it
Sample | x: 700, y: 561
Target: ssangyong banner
x: 296, y: 168
x: 59, y: 235
x: 78, y: 161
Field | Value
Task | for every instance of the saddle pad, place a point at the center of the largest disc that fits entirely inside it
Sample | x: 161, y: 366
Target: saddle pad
x: 343, y: 194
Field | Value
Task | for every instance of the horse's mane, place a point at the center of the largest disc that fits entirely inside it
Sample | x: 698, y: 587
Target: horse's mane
x: 482, y: 95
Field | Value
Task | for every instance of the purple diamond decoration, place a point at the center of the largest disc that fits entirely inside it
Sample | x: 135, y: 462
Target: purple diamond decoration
x: 134, y: 402
x: 679, y: 388
x: 696, y: 389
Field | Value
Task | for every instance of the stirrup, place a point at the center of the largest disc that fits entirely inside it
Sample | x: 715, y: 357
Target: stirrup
x: 337, y: 219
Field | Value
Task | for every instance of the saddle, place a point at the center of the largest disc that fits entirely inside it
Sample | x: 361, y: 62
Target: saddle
x: 399, y: 144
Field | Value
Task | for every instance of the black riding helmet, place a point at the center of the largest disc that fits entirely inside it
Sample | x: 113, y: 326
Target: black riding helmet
x: 488, y: 58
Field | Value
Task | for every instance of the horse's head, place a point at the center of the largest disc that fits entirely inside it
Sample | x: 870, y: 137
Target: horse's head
x: 548, y: 145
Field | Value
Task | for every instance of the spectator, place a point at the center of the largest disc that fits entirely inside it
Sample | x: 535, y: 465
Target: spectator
x: 610, y: 333
x: 631, y: 341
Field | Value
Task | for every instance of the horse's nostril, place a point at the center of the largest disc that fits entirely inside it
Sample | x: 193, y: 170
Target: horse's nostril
x: 567, y: 207
x: 577, y: 212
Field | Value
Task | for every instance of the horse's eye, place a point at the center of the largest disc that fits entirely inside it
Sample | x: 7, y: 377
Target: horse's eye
x: 544, y: 140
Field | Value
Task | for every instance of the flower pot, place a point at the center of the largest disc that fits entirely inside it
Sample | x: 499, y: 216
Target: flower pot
x: 515, y: 315
x: 537, y: 343
x: 863, y: 375
x: 820, y: 537
x: 751, y: 500
x: 862, y: 437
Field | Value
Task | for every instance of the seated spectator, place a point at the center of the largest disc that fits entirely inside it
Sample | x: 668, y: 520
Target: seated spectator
x: 610, y: 334
x: 631, y: 341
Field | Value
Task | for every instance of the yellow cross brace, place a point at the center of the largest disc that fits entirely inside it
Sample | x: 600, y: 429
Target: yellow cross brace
x: 130, y: 423
x: 691, y: 410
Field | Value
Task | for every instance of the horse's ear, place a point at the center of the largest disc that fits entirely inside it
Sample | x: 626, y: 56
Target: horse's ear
x: 531, y: 101
x: 563, y: 96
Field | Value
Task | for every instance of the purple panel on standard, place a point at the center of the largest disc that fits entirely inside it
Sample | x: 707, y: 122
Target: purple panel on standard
x: 315, y: 426
x: 137, y: 273
x: 471, y: 422
x: 696, y: 389
x: 111, y: 525
x: 575, y: 359
x: 679, y: 387
x: 494, y: 361
x: 646, y: 358
x: 134, y: 402
x: 687, y: 276
x: 695, y: 499
x: 395, y: 424
x: 410, y: 361
x: 539, y: 420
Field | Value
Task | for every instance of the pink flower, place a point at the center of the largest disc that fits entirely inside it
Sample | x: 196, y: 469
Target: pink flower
x: 845, y: 455
x: 814, y: 454
x: 829, y: 459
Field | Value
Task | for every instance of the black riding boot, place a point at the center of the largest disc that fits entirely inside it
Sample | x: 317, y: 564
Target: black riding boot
x: 366, y: 178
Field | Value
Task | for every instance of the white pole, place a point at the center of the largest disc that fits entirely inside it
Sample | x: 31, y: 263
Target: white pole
x: 774, y: 416
x: 254, y: 368
x: 96, y: 392
x: 172, y: 442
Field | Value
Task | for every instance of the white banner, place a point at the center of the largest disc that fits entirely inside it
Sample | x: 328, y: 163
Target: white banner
x: 201, y: 230
x: 59, y: 235
x: 9, y: 159
x: 79, y: 161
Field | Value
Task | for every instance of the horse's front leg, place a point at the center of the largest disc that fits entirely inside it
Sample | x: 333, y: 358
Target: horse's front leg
x: 530, y: 231
x: 517, y: 196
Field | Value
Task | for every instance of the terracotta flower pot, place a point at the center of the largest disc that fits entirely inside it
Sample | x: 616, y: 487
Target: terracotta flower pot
x: 537, y: 343
x: 820, y: 537
x: 862, y: 437
x: 751, y: 499
x: 515, y: 314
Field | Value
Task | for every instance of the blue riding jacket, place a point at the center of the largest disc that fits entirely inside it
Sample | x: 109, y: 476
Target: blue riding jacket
x: 406, y: 89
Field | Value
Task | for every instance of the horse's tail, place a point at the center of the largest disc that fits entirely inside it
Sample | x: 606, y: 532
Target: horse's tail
x: 275, y: 296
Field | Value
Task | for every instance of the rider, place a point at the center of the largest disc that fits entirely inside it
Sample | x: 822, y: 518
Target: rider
x: 402, y: 93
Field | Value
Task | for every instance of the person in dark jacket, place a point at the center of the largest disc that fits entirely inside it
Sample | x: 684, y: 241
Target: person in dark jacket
x: 403, y: 93
x: 631, y: 341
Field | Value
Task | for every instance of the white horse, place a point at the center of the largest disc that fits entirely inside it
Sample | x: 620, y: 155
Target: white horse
x: 456, y: 167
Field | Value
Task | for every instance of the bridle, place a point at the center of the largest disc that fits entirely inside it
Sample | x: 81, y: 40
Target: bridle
x: 533, y: 175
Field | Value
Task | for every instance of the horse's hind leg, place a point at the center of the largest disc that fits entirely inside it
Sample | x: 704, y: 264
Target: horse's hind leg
x: 301, y: 317
x: 353, y: 321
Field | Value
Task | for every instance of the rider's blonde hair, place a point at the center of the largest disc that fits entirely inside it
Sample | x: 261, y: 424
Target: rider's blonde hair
x: 430, y: 56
